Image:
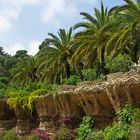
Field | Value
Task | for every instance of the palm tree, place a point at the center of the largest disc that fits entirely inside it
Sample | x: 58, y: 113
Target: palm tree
x: 25, y: 71
x: 128, y: 35
x: 54, y: 58
x: 93, y: 39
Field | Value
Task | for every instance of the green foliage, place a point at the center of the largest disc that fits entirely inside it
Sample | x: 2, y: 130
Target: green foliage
x: 121, y: 129
x: 118, y: 131
x: 4, y: 80
x: 3, y: 93
x: 38, y: 85
x: 73, y: 80
x: 85, y: 128
x: 127, y: 115
x: 121, y: 63
x: 19, y: 100
x: 10, y: 135
x: 90, y: 74
x: 34, y: 95
x: 97, y: 135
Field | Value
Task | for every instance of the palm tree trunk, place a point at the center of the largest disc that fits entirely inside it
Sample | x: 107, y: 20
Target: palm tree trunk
x: 104, y: 71
x: 135, y: 51
x: 67, y: 67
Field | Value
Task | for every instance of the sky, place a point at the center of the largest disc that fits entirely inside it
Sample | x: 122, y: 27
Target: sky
x: 24, y: 24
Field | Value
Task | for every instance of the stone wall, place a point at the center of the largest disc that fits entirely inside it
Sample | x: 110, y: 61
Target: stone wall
x: 101, y: 100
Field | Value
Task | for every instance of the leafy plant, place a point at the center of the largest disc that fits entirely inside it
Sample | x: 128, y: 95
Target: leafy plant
x: 118, y: 131
x: 85, y: 128
x: 73, y: 80
x: 97, y: 135
x: 121, y: 63
x: 10, y: 135
x: 38, y: 85
x: 121, y: 130
x: 89, y: 74
x: 19, y: 100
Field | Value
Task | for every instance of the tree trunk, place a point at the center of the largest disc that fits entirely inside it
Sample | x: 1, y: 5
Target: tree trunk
x: 104, y: 71
x: 135, y: 51
x: 67, y: 67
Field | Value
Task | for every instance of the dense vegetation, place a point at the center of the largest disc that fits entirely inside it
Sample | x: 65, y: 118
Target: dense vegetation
x: 125, y: 127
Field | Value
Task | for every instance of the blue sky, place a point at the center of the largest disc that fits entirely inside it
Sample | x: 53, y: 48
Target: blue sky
x: 24, y: 24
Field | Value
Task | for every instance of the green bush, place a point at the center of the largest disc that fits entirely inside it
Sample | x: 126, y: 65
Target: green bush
x: 85, y: 128
x: 4, y: 80
x: 97, y: 135
x: 3, y: 93
x: 19, y: 100
x: 121, y: 130
x: 73, y: 80
x: 128, y: 114
x: 89, y: 74
x: 38, y: 85
x: 121, y: 63
x: 2, y: 85
x: 10, y: 135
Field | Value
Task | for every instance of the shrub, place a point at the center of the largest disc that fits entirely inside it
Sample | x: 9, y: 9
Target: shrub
x: 121, y: 63
x: 4, y: 80
x: 10, y: 135
x: 124, y: 128
x: 89, y: 74
x: 19, y: 100
x: 73, y: 80
x: 38, y: 85
x: 128, y: 114
x: 3, y: 93
x: 121, y: 130
x: 85, y: 128
x: 97, y: 135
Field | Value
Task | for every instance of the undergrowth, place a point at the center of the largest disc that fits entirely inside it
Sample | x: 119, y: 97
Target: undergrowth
x: 122, y: 129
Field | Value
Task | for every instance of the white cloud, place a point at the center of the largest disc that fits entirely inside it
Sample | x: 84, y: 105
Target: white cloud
x: 10, y: 10
x: 58, y: 10
x: 54, y: 13
x: 33, y: 47
x: 4, y: 24
x: 14, y: 47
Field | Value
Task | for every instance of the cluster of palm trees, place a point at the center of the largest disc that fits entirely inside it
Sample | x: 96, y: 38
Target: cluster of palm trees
x: 105, y: 34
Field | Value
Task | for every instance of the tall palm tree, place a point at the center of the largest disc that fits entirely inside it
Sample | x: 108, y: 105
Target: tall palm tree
x: 128, y: 35
x: 25, y: 71
x: 93, y: 39
x: 55, y: 57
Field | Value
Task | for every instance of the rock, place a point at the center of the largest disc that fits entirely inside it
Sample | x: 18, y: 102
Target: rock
x: 7, y: 116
